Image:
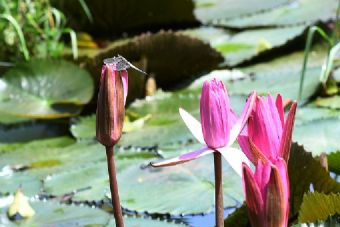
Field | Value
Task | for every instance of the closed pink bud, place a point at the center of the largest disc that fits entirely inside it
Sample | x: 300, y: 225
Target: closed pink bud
x: 215, y: 109
x: 110, y: 105
x: 267, y: 194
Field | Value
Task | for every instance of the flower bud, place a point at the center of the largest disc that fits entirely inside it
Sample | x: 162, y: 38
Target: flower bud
x: 110, y: 105
x: 214, y: 109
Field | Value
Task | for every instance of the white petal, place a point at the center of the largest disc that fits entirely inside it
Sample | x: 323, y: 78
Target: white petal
x: 193, y: 125
x: 234, y: 157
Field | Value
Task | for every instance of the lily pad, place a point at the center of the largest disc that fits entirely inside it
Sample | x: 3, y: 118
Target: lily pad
x: 11, y: 181
x: 319, y: 136
x: 330, y: 102
x: 311, y: 113
x: 38, y: 144
x: 297, y: 12
x: 91, y: 180
x: 191, y: 183
x: 59, y: 215
x: 212, y: 10
x: 183, y: 189
x: 334, y: 162
x: 238, y: 48
x: 45, y: 89
x: 281, y: 75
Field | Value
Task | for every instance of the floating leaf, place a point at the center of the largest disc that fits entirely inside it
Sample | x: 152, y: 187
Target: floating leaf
x: 238, y: 48
x: 38, y: 144
x: 10, y: 182
x: 212, y: 10
x: 45, y: 89
x: 91, y: 180
x: 190, y: 183
x: 311, y: 113
x: 319, y: 136
x: 54, y: 214
x: 59, y: 215
x: 330, y: 102
x: 298, y: 12
x: 318, y: 207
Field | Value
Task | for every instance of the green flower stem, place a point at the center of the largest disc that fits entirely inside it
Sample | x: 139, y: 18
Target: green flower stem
x: 117, y: 210
x: 219, y: 209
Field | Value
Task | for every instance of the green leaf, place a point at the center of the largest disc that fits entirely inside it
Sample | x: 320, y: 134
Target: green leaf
x: 238, y: 48
x: 11, y: 181
x: 318, y: 207
x: 311, y: 113
x: 319, y: 136
x: 45, y: 89
x: 92, y: 180
x: 304, y: 172
x: 38, y: 144
x: 334, y: 162
x: 58, y: 215
x: 300, y: 12
x: 329, y: 102
x: 190, y: 183
x: 214, y: 10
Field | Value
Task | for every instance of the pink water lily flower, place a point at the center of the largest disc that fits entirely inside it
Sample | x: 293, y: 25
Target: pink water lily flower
x: 267, y: 194
x: 219, y: 127
x: 268, y: 134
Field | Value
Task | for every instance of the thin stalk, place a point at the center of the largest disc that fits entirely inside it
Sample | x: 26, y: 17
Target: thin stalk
x: 219, y: 209
x: 117, y: 210
x: 308, y: 46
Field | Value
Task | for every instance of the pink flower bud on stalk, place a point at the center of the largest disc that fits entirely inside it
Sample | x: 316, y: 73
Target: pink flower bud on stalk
x: 266, y: 141
x: 218, y: 131
x: 110, y: 118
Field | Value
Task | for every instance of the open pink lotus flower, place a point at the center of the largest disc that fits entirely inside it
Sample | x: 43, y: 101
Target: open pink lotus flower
x: 268, y: 135
x: 267, y: 194
x: 219, y: 129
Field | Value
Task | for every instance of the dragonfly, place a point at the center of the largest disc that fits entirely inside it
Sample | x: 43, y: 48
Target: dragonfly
x: 122, y: 64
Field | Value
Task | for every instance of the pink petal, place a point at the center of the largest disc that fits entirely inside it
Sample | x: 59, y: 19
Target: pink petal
x: 254, y: 199
x: 193, y: 125
x: 276, y: 201
x: 241, y: 122
x: 283, y: 171
x: 124, y: 75
x: 286, y: 138
x: 235, y: 158
x: 280, y: 108
x: 214, y: 112
x: 183, y: 158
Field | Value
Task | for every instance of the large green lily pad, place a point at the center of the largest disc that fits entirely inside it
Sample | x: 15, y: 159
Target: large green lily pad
x: 212, y: 10
x: 238, y: 48
x: 171, y: 190
x: 182, y: 189
x: 319, y: 136
x: 91, y: 180
x: 45, y: 89
x: 60, y: 215
x: 296, y: 12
